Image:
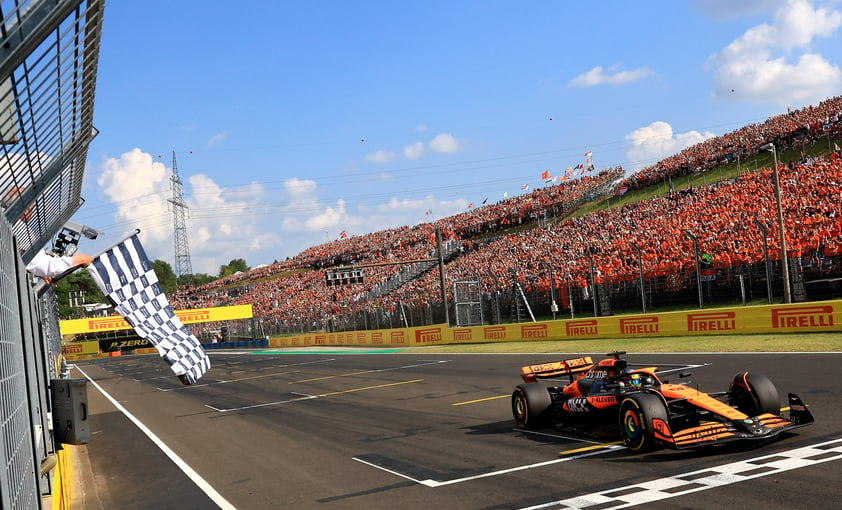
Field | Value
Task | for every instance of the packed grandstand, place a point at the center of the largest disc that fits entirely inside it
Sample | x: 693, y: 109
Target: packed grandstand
x: 534, y: 242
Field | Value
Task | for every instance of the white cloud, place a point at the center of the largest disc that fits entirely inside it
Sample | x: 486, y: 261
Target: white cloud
x: 763, y: 65
x: 381, y: 156
x: 421, y: 128
x: 413, y: 151
x: 599, y: 76
x: 302, y: 211
x: 220, y: 221
x: 798, y: 23
x: 217, y: 138
x: 408, y: 211
x: 444, y: 143
x: 225, y: 223
x: 138, y: 186
x: 296, y: 187
x: 652, y: 143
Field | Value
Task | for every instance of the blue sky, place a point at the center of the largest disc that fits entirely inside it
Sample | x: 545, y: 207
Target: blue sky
x: 294, y: 121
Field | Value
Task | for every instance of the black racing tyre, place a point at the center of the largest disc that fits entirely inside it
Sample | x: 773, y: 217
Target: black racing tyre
x: 754, y: 394
x: 530, y: 406
x: 637, y: 415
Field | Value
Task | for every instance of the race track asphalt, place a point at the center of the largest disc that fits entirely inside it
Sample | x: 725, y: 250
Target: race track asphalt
x: 348, y: 430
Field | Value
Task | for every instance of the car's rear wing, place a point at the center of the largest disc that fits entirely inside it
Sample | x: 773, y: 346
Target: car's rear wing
x: 531, y: 373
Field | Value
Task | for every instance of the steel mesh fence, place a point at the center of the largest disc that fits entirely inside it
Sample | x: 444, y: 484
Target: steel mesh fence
x: 48, y: 66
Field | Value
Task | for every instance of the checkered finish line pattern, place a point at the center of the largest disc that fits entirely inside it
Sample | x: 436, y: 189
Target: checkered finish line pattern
x: 125, y: 275
x: 716, y: 476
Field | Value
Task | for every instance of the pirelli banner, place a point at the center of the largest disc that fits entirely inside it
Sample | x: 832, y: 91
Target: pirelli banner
x: 115, y: 322
x: 794, y: 318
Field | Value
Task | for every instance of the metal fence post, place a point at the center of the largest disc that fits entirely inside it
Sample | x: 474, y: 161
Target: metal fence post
x: 766, y: 260
x: 698, y: 268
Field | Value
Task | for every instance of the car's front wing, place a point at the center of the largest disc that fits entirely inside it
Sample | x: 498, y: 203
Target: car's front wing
x: 764, y: 426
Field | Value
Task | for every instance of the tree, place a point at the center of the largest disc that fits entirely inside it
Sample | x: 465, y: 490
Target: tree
x: 81, y: 284
x: 232, y: 267
x: 166, y: 276
x: 201, y: 278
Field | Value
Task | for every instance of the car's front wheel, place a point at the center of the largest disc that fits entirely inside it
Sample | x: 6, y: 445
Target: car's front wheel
x: 754, y: 394
x: 639, y: 414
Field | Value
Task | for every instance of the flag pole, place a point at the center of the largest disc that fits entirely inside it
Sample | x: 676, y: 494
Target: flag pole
x: 128, y: 236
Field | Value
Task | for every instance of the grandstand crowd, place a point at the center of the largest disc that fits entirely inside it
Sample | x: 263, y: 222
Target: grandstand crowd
x: 572, y: 251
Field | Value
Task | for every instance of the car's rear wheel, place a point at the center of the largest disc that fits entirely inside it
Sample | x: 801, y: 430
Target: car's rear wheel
x: 638, y: 415
x: 754, y: 394
x: 530, y: 406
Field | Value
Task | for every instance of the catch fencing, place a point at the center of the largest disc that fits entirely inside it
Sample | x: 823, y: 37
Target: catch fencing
x: 48, y: 68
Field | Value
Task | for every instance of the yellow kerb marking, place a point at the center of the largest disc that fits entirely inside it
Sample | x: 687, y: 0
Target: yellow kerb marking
x: 259, y: 376
x: 332, y: 376
x: 590, y: 448
x: 479, y: 400
x: 368, y: 388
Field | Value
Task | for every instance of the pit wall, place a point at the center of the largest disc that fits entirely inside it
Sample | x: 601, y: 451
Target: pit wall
x: 823, y: 316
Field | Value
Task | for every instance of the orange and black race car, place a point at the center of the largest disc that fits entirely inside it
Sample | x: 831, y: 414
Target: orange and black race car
x: 649, y: 413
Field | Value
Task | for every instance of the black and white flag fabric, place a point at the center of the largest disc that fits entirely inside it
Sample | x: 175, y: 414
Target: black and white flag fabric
x: 126, y: 277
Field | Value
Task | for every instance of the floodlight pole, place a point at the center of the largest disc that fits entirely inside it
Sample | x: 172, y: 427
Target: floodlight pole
x: 593, y: 282
x: 787, y: 291
x: 441, y: 277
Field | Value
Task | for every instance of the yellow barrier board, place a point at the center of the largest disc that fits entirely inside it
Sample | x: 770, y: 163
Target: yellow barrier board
x: 114, y: 322
x: 791, y: 318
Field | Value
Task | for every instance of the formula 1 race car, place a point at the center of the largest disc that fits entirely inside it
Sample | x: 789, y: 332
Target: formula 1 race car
x: 609, y: 397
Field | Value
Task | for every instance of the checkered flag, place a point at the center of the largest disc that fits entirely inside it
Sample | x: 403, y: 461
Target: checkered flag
x: 125, y: 276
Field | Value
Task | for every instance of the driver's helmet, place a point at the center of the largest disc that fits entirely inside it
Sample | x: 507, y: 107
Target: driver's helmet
x: 635, y: 381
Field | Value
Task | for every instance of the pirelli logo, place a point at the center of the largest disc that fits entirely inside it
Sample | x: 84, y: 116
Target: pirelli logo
x: 462, y: 335
x: 712, y: 321
x: 320, y: 340
x: 582, y: 328
x: 128, y: 344
x: 361, y: 338
x: 376, y: 337
x: 193, y: 315
x: 397, y: 337
x: 639, y: 325
x: 427, y: 336
x: 802, y: 317
x: 72, y: 349
x: 494, y: 333
x: 107, y: 323
x: 533, y: 331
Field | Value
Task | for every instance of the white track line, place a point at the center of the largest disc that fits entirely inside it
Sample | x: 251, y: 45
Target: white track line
x: 200, y: 482
x: 436, y: 483
x: 703, y: 479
